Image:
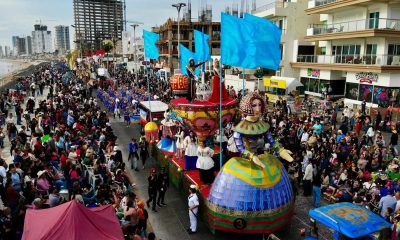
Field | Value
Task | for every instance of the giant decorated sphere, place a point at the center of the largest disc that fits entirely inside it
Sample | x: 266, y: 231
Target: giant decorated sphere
x: 245, y: 198
x: 179, y: 84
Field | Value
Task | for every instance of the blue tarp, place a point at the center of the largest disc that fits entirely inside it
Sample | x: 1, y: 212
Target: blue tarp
x: 349, y: 219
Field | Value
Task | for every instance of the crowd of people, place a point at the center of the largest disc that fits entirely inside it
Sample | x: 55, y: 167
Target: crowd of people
x: 62, y: 148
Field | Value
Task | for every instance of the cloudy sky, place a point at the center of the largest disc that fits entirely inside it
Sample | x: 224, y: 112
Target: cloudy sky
x: 18, y: 16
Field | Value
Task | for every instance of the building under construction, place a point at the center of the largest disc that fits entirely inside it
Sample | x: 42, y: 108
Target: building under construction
x: 98, y: 20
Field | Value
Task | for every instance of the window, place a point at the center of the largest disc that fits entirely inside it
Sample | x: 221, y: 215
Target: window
x: 366, y: 92
x: 322, y: 50
x: 352, y: 90
x: 374, y: 20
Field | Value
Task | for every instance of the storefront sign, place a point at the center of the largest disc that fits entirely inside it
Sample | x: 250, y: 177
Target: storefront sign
x: 315, y: 73
x: 275, y: 83
x: 274, y: 98
x: 367, y: 77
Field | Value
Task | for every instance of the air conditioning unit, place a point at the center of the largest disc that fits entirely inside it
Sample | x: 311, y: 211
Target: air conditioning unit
x: 278, y: 73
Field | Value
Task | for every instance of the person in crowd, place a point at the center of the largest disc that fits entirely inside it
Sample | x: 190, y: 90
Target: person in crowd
x: 193, y: 203
x: 162, y: 185
x: 152, y: 189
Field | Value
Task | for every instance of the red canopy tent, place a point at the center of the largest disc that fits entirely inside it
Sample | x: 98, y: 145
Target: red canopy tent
x: 72, y: 221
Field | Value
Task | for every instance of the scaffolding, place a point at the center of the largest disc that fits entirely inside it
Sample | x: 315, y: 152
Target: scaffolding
x: 98, y: 20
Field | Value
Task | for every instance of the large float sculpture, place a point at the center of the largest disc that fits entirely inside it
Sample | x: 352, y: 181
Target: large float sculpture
x: 252, y: 193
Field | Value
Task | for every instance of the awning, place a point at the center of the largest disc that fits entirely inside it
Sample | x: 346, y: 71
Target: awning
x: 287, y: 83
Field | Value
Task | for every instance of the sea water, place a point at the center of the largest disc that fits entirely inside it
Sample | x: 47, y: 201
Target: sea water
x: 8, y: 67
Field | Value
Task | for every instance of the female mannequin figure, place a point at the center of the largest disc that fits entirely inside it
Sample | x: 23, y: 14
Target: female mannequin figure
x: 253, y: 184
x: 205, y: 163
x: 190, y: 143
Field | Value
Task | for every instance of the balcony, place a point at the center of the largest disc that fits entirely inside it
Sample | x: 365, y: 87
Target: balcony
x: 272, y: 9
x: 354, y: 62
x: 373, y: 27
x: 328, y: 6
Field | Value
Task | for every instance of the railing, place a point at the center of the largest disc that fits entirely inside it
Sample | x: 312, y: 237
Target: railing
x: 269, y: 6
x: 366, y: 59
x: 323, y: 2
x: 357, y: 25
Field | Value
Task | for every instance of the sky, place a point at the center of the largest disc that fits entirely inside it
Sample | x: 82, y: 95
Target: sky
x: 18, y: 16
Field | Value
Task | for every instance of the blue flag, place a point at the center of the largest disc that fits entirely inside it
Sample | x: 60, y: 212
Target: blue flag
x: 250, y: 43
x: 237, y: 48
x: 186, y: 55
x: 267, y: 41
x: 150, y: 48
x: 201, y: 46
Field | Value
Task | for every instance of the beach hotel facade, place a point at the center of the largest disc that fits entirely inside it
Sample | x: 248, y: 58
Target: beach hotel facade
x: 354, y: 49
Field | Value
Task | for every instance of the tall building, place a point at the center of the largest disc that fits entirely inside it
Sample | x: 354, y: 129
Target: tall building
x: 1, y: 52
x: 62, y: 43
x: 7, y: 51
x: 168, y: 44
x: 14, y: 45
x: 41, y: 40
x: 354, y: 52
x: 291, y: 18
x: 98, y: 20
x: 28, y: 45
x: 20, y: 48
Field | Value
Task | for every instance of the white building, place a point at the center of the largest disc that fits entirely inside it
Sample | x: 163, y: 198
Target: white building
x: 28, y: 45
x: 355, y: 50
x: 7, y: 51
x: 62, y: 41
x: 41, y: 40
x: 290, y: 16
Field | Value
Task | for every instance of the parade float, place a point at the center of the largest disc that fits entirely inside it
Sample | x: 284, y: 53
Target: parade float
x: 252, y: 193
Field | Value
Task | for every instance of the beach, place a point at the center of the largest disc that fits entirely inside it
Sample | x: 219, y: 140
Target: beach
x: 11, y: 69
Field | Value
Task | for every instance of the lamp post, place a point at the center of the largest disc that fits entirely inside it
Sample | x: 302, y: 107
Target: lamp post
x: 134, y: 49
x: 178, y: 7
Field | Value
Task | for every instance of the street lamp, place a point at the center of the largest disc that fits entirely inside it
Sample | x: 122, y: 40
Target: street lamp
x: 178, y: 7
x: 135, y: 25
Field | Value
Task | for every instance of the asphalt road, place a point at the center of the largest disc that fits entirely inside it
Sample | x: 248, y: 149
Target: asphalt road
x: 171, y: 222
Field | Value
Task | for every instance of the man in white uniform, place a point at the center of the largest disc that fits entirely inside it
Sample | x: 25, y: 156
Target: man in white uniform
x: 193, y: 202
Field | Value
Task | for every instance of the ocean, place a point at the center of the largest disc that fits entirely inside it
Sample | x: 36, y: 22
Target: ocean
x: 8, y: 67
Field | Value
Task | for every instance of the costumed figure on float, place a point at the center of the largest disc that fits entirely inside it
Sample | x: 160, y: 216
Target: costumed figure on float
x: 167, y: 143
x: 252, y: 193
x: 200, y: 116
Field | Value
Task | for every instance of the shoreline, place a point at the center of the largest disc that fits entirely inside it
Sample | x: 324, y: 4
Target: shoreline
x: 27, y: 68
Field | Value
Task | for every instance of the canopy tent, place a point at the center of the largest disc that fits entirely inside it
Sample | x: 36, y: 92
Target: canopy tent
x: 72, y: 221
x: 291, y: 83
x: 349, y: 219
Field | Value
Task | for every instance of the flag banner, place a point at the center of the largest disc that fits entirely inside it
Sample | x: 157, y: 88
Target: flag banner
x: 186, y: 55
x: 236, y: 45
x: 267, y: 41
x: 201, y: 46
x: 250, y: 42
x: 150, y: 48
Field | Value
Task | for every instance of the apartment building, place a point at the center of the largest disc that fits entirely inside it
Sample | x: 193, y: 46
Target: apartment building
x: 290, y: 16
x: 168, y: 43
x: 354, y: 51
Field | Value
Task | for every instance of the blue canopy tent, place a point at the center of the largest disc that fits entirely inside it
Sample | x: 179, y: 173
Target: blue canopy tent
x: 349, y: 219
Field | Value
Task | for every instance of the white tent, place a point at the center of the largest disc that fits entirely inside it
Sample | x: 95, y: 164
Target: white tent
x: 291, y: 83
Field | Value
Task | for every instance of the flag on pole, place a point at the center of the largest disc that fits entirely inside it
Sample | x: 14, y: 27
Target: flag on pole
x: 267, y: 41
x: 186, y: 55
x: 150, y: 48
x: 250, y: 43
x: 237, y: 48
x: 201, y: 46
